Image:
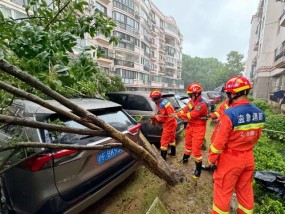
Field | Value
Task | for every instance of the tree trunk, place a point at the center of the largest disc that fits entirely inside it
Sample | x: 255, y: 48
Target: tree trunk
x: 136, y: 151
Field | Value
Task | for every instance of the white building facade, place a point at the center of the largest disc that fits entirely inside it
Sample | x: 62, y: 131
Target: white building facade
x: 266, y: 55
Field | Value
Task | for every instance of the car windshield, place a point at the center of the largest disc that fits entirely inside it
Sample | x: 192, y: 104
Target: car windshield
x: 117, y: 119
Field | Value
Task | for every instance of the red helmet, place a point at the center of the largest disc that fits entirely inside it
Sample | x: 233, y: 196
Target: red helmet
x: 194, y: 88
x: 236, y: 84
x: 155, y: 95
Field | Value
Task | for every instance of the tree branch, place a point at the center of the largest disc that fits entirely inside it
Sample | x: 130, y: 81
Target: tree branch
x: 56, y: 15
x: 51, y: 127
x: 30, y: 17
x: 36, y: 99
x: 22, y: 145
x: 136, y: 151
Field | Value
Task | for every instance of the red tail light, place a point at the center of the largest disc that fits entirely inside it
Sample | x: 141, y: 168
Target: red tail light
x: 38, y: 163
x: 135, y: 128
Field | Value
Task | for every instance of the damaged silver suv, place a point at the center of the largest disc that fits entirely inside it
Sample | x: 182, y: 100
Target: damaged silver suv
x: 68, y: 181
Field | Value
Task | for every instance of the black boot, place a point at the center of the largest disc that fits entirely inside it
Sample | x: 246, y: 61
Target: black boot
x: 163, y: 154
x: 172, y: 151
x: 185, y: 159
x: 207, y: 168
x: 198, y: 169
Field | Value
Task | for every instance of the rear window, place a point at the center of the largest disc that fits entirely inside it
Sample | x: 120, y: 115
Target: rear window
x: 136, y: 102
x: 117, y: 119
x: 118, y: 98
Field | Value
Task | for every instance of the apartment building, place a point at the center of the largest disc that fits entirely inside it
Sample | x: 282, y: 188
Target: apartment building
x: 149, y: 53
x: 266, y: 55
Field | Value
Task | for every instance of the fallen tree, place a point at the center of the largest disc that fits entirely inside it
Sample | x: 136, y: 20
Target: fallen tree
x: 144, y: 153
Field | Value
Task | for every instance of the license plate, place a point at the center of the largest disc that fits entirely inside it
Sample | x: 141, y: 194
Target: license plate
x: 108, y: 154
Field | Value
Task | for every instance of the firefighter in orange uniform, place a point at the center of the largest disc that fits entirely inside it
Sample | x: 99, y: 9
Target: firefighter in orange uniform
x: 169, y: 123
x: 231, y: 151
x: 195, y: 112
x: 215, y: 116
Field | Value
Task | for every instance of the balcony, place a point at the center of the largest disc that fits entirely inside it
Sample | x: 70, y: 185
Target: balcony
x: 153, y: 31
x: 152, y: 44
x: 126, y: 27
x: 282, y: 19
x: 146, y: 68
x: 138, y: 82
x: 102, y: 39
x: 280, y: 59
x: 170, y: 65
x: 124, y: 63
x: 123, y: 7
x: 147, y: 39
x: 152, y: 58
x: 156, y: 84
x: 147, y: 54
x: 161, y: 62
x: 106, y: 1
x: 162, y: 50
x: 162, y: 37
x: 105, y: 60
x: 161, y: 72
x: 153, y: 70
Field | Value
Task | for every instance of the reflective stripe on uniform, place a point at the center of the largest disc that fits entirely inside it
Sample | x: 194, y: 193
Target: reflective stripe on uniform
x: 163, y: 148
x: 172, y: 143
x: 181, y: 112
x: 217, y: 114
x: 249, y: 126
x: 244, y: 209
x: 188, y: 150
x: 214, y: 150
x: 198, y: 159
x: 188, y: 115
x: 168, y: 104
x: 190, y: 106
x: 218, y: 210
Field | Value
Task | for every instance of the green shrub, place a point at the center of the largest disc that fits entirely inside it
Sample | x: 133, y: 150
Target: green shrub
x: 268, y: 155
x: 266, y: 202
x: 275, y: 123
x: 262, y: 104
x: 250, y: 97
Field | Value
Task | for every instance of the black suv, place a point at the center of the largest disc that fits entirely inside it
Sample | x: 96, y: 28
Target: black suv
x: 141, y: 107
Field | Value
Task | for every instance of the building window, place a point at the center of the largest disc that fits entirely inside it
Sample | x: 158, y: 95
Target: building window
x: 171, y: 28
x: 101, y: 8
x: 128, y: 76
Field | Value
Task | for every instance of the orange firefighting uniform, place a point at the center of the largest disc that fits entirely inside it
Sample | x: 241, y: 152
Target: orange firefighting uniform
x: 239, y: 129
x: 194, y: 112
x: 169, y: 124
x: 217, y: 115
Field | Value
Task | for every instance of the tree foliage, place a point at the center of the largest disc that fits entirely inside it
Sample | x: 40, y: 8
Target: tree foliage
x: 210, y: 72
x: 43, y: 44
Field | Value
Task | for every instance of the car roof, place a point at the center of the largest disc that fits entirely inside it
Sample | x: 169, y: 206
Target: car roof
x: 143, y: 93
x: 85, y: 103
